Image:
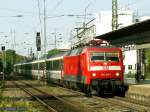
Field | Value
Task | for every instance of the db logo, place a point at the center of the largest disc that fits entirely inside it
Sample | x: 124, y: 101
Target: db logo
x: 105, y: 67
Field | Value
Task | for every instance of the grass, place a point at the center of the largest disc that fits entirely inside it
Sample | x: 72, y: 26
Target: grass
x: 129, y: 75
x: 13, y: 104
x: 7, y: 104
x: 1, y: 87
x: 147, y: 76
x: 1, y: 84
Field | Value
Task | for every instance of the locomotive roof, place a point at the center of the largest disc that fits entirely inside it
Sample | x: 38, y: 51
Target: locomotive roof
x: 77, y: 51
x: 102, y: 46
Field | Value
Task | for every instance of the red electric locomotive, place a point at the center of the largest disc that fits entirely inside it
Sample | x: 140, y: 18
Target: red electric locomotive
x: 95, y: 68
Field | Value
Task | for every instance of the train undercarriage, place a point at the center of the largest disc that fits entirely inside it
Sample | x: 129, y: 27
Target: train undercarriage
x: 97, y: 87
x: 108, y: 87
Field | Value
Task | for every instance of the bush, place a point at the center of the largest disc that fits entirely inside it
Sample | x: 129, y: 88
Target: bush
x: 130, y: 75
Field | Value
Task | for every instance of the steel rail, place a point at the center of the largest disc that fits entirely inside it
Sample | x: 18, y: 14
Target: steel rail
x: 115, y: 99
x: 130, y: 105
x: 37, y: 98
x: 127, y: 99
x: 58, y: 98
x: 117, y: 102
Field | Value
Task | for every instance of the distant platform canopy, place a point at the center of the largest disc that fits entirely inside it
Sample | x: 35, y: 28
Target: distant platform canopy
x: 138, y: 33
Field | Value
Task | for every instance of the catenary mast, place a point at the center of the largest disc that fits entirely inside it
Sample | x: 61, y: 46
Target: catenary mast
x: 114, y: 15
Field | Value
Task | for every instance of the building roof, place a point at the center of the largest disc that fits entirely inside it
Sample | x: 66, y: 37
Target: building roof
x: 138, y: 33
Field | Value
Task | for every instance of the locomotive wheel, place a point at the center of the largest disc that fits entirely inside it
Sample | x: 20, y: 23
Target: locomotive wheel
x: 104, y: 91
x: 82, y: 87
x: 121, y: 90
x: 65, y: 84
x: 100, y: 90
x: 69, y: 85
x: 122, y: 94
x: 73, y: 86
x: 89, y: 91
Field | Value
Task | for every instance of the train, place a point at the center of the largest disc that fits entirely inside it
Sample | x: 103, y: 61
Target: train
x: 88, y: 68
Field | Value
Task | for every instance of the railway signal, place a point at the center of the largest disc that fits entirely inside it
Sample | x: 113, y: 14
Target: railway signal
x: 38, y: 41
x: 114, y: 15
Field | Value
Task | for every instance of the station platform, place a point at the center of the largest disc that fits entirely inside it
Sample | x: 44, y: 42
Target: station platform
x: 139, y: 90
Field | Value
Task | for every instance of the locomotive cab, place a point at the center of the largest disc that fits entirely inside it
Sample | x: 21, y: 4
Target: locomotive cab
x: 105, y: 65
x: 105, y: 69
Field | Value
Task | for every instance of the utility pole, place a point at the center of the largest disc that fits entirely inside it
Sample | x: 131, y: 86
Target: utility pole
x: 55, y: 40
x: 114, y: 15
x: 45, y: 29
x: 45, y: 43
x: 13, y: 48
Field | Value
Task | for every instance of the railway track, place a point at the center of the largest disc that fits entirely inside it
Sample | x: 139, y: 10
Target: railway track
x: 51, y: 102
x: 132, y: 107
x: 104, y: 104
x: 142, y: 103
x: 37, y: 98
x: 98, y: 104
x: 127, y: 104
x: 94, y: 104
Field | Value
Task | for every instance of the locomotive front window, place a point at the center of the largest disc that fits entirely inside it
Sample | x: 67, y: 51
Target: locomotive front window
x: 112, y: 56
x: 104, y: 56
x: 98, y: 56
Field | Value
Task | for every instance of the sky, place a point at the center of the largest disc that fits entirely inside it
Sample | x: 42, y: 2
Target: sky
x: 21, y: 19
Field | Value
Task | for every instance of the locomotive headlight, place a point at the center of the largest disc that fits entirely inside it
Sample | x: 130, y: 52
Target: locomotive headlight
x: 117, y: 74
x: 93, y: 74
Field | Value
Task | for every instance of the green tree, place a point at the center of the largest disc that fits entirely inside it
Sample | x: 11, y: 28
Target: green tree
x: 54, y: 51
x: 1, y: 65
x: 10, y: 59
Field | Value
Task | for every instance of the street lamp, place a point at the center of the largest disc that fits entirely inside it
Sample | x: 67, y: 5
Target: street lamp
x: 69, y: 15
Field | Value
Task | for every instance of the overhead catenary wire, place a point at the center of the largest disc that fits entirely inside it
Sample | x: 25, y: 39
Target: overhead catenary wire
x: 56, y: 6
x: 17, y: 11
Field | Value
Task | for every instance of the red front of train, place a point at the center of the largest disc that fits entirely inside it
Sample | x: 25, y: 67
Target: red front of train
x: 104, y: 63
x: 95, y: 68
